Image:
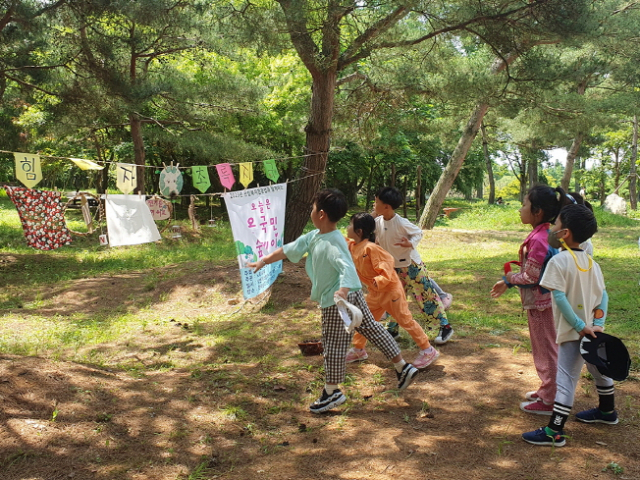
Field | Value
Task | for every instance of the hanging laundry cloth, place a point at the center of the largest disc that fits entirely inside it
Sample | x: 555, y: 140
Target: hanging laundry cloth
x: 41, y: 216
x: 129, y: 220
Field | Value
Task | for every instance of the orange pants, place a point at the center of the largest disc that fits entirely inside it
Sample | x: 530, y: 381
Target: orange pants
x: 395, y: 304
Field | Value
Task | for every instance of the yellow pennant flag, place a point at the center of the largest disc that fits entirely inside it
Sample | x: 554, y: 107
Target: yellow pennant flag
x: 246, y: 174
x: 86, y: 164
x: 28, y: 169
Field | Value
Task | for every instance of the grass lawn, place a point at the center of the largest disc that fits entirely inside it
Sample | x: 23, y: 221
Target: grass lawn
x: 144, y: 362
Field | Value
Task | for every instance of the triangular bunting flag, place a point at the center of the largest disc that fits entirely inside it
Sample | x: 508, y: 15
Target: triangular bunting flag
x: 226, y: 175
x: 28, y: 169
x: 270, y: 170
x: 246, y: 174
x: 200, y: 177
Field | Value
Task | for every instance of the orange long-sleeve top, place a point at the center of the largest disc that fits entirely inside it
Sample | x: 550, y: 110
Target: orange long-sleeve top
x: 375, y: 267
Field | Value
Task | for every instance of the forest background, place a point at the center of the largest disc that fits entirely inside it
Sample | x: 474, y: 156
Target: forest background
x: 433, y: 97
x: 143, y: 362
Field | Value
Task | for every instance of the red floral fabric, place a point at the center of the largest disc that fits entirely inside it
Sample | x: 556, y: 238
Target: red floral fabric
x: 41, y: 216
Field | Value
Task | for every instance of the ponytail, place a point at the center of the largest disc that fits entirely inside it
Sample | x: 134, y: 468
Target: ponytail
x: 366, y: 224
x: 548, y: 200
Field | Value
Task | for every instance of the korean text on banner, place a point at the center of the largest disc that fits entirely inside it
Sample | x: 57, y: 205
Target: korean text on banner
x: 28, y: 169
x: 126, y: 179
x: 257, y: 223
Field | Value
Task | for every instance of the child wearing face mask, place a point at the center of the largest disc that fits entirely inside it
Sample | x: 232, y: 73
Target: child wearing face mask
x: 540, y: 207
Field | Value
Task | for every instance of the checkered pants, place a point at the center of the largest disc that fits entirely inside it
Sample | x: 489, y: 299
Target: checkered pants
x: 336, y: 341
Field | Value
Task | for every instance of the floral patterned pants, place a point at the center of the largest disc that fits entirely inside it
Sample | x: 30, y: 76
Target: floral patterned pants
x: 417, y: 283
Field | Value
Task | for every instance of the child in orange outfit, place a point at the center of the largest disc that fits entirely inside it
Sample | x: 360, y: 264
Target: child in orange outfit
x: 375, y: 267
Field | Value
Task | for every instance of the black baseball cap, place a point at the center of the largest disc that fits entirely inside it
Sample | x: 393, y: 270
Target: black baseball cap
x: 608, y: 354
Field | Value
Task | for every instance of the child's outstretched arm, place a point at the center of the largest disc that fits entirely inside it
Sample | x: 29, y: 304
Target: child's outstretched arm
x: 274, y: 256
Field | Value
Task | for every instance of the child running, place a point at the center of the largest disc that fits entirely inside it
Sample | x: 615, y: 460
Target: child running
x: 386, y: 293
x: 400, y: 237
x: 579, y: 296
x: 541, y: 206
x: 331, y: 270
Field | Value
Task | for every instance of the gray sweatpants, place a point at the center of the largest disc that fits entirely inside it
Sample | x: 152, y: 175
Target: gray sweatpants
x: 570, y: 364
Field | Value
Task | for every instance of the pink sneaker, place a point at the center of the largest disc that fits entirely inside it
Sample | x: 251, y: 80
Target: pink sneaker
x: 356, y: 355
x: 532, y: 396
x: 426, y: 358
x: 447, y: 299
x: 537, y: 407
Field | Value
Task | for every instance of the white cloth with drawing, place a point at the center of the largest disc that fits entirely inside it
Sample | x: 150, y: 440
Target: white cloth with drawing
x: 129, y: 220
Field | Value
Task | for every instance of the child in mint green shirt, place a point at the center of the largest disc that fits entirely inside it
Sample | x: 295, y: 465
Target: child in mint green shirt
x: 331, y: 270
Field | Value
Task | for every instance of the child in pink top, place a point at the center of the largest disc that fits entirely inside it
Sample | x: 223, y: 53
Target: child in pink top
x: 375, y: 268
x: 540, y: 207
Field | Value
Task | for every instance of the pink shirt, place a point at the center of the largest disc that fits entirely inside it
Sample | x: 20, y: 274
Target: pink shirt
x: 532, y: 254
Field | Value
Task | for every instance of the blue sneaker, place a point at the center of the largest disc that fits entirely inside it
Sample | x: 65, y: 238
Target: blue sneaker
x: 596, y: 416
x: 541, y: 437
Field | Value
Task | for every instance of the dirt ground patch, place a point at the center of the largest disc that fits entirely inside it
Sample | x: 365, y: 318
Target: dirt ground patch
x: 234, y: 419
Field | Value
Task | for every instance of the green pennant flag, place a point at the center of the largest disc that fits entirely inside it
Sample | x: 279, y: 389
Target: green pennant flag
x: 270, y: 170
x: 200, y: 178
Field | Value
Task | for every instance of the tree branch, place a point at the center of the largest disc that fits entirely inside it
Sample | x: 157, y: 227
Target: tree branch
x: 8, y: 16
x: 363, y: 53
x: 373, y: 31
x: 27, y: 84
x: 302, y: 41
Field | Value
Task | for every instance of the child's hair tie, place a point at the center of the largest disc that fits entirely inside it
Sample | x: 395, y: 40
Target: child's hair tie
x: 573, y: 200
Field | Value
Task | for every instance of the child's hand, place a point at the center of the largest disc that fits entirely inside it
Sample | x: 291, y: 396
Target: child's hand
x: 590, y: 331
x: 343, y: 292
x: 404, y: 242
x: 498, y: 289
x: 256, y: 265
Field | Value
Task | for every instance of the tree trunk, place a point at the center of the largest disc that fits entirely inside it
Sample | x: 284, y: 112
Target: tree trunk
x: 318, y: 132
x: 633, y: 176
x: 602, y: 185
x: 418, y: 191
x: 404, y: 196
x: 487, y: 159
x: 533, y: 170
x: 448, y: 176
x: 138, y: 150
x: 616, y: 170
x: 571, y: 157
x: 103, y: 175
x: 436, y: 199
x: 523, y: 183
x: 369, y: 199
